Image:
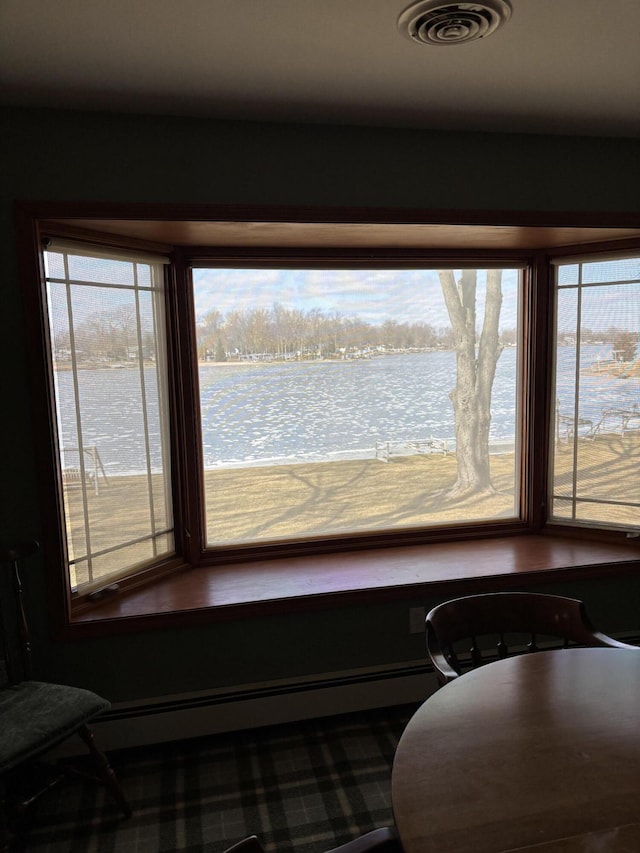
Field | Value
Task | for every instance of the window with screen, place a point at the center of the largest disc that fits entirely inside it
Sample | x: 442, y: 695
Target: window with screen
x: 106, y: 321
x: 596, y: 418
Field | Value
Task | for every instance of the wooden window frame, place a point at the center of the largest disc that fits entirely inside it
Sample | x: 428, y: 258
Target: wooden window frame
x: 77, y: 615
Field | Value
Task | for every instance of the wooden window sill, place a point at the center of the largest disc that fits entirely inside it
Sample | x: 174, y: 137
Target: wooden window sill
x: 243, y: 590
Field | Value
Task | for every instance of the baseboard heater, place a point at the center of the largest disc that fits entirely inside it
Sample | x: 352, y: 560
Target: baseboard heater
x: 197, y: 714
x: 179, y: 717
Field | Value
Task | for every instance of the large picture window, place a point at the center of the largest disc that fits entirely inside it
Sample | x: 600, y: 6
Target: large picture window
x: 337, y: 401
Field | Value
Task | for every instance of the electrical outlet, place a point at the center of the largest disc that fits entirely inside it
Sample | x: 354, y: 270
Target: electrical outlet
x: 416, y: 620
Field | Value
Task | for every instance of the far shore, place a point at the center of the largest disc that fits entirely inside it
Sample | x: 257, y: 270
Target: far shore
x: 249, y: 362
x: 615, y: 369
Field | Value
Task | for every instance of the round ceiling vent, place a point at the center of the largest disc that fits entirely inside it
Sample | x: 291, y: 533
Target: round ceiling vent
x: 435, y: 22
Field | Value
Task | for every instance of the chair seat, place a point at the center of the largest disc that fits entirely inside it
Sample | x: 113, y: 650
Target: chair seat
x: 35, y: 716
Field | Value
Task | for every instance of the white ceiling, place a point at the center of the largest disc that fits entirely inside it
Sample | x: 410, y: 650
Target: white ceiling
x: 558, y: 66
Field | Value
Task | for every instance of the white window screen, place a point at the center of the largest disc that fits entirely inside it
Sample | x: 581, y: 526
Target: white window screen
x: 596, y: 442
x: 107, y: 334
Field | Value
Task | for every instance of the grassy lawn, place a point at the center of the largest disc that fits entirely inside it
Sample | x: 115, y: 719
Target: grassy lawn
x: 329, y: 498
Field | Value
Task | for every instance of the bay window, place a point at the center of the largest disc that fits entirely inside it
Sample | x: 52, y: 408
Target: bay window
x: 206, y: 405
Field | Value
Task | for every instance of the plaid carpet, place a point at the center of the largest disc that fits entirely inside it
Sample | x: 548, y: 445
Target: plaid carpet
x: 302, y: 787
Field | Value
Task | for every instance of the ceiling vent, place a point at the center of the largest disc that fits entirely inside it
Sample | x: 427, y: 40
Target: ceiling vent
x: 438, y: 23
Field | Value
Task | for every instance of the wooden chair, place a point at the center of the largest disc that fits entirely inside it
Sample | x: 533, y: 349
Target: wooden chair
x: 35, y: 715
x: 515, y: 622
x: 382, y: 840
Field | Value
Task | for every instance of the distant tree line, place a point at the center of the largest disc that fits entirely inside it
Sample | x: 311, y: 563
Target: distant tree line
x: 624, y: 344
x: 107, y: 336
x: 286, y: 333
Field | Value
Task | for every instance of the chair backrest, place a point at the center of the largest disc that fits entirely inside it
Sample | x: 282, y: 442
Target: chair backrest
x: 15, y: 641
x: 466, y: 632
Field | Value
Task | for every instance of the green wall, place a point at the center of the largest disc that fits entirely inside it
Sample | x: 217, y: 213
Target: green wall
x: 51, y: 155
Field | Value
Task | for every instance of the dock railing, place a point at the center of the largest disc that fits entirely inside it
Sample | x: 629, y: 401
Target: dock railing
x: 89, y: 473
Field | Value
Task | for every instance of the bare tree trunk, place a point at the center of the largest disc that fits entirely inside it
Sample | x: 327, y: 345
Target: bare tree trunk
x: 475, y: 372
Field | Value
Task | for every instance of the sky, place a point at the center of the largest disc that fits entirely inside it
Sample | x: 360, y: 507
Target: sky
x: 374, y: 296
x: 602, y: 306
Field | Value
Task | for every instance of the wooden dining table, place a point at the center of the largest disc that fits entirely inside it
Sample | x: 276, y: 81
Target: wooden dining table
x: 537, y: 753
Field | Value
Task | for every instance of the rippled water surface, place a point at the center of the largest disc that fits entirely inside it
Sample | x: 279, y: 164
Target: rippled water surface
x: 290, y: 412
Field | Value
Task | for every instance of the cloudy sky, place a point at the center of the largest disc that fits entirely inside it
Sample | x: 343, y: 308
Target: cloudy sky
x: 374, y: 296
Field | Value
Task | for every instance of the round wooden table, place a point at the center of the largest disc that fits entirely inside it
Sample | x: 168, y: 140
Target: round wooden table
x: 538, y: 751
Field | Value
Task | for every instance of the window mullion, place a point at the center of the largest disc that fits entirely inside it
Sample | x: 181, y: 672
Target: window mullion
x: 79, y: 430
x: 145, y: 415
x: 576, y: 401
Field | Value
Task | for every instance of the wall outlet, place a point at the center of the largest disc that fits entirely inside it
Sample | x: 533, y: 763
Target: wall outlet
x: 416, y: 620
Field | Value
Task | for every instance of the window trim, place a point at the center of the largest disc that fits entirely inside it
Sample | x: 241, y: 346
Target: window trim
x: 417, y: 573
x: 34, y: 219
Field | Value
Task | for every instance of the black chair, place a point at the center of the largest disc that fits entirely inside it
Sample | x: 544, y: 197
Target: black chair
x: 36, y: 716
x: 516, y: 622
x: 382, y: 840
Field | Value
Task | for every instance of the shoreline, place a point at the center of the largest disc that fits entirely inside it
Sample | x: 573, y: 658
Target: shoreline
x: 343, y: 360
x: 498, y: 447
x: 614, y: 370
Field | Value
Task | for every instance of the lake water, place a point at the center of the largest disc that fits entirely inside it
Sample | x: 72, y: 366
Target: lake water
x: 300, y: 412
